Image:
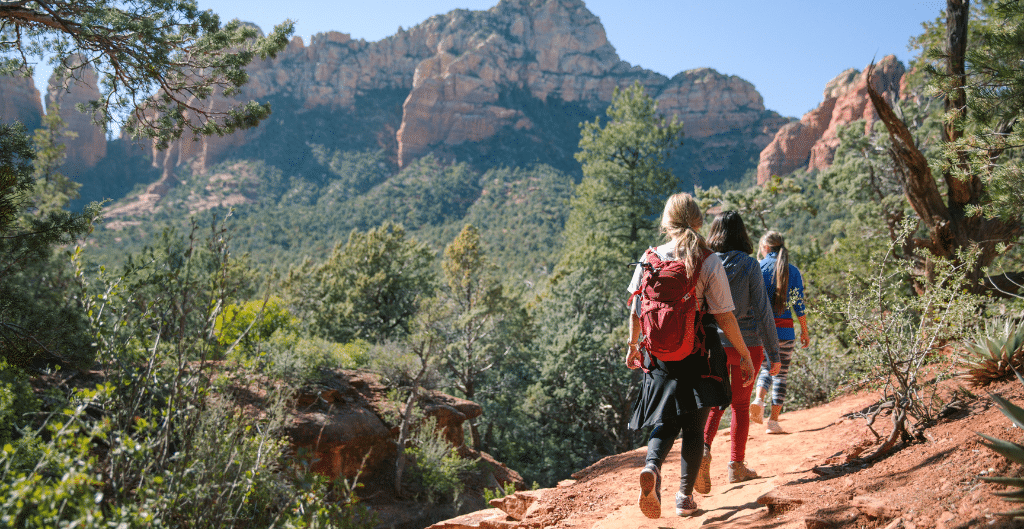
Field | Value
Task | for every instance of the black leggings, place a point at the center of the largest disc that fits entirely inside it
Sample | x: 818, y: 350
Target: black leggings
x: 664, y: 434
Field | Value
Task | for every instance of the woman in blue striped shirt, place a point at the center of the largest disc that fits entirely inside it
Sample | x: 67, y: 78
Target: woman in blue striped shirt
x: 785, y: 288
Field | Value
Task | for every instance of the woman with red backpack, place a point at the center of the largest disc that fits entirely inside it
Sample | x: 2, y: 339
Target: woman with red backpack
x: 676, y: 395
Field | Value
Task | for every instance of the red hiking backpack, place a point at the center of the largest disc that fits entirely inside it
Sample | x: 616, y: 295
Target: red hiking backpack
x: 669, y: 310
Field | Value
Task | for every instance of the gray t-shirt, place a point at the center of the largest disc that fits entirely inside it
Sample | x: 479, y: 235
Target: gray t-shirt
x: 712, y: 283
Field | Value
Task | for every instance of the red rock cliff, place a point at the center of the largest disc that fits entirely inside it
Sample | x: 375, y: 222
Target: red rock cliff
x: 455, y: 67
x: 812, y: 141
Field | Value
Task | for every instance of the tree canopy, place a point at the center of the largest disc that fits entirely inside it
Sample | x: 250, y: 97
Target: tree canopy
x: 625, y: 178
x: 159, y: 61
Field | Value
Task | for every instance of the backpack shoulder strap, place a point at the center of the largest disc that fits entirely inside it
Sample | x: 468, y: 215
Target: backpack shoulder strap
x: 640, y: 285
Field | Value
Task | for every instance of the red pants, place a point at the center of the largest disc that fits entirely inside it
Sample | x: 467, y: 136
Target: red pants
x: 740, y: 406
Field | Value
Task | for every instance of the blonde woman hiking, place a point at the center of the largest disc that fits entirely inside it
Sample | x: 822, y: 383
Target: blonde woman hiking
x: 785, y: 288
x: 675, y: 395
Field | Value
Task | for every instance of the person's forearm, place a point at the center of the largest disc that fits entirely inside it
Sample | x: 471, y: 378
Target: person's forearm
x: 634, y: 327
x: 803, y: 323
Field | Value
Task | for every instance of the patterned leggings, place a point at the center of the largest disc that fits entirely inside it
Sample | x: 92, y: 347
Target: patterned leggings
x: 778, y: 382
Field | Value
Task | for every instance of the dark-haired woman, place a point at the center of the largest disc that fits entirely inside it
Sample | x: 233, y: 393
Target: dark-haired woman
x: 675, y: 396
x: 785, y: 288
x: 728, y: 238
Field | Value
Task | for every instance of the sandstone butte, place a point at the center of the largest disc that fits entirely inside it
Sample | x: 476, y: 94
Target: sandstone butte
x: 454, y: 68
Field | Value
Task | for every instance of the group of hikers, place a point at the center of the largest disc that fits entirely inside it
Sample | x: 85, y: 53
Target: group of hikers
x: 703, y: 313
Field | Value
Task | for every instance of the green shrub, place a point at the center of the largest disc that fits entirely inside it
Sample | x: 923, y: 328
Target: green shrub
x: 292, y: 356
x: 492, y: 494
x: 16, y: 400
x: 437, y: 465
x: 258, y: 322
x: 397, y: 364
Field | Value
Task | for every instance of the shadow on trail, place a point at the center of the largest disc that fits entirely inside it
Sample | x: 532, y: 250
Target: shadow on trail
x: 722, y: 514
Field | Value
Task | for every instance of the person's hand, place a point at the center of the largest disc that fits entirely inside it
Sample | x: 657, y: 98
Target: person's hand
x: 747, y: 369
x: 776, y: 367
x: 633, y: 358
x: 805, y: 338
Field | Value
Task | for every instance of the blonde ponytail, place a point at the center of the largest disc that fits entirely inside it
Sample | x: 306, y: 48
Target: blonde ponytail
x: 680, y: 221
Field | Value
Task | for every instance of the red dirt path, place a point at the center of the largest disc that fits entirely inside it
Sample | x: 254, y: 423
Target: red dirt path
x: 928, y: 484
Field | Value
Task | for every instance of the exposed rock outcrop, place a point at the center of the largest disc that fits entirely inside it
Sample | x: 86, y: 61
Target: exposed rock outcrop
x: 812, y: 141
x: 457, y: 69
x: 20, y: 101
x: 342, y: 426
x: 88, y: 145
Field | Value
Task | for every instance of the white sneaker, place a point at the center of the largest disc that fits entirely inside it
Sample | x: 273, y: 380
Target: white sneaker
x: 773, y: 427
x: 757, y: 411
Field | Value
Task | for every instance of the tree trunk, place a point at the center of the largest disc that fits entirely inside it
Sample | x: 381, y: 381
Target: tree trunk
x: 949, y: 227
x: 403, y: 437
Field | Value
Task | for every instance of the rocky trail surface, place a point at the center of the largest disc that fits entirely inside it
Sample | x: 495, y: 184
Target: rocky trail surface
x: 811, y: 478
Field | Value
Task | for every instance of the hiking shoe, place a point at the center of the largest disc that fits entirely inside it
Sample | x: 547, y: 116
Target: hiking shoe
x: 650, y: 491
x: 757, y: 411
x: 773, y: 427
x: 685, y: 506
x: 738, y: 472
x: 703, y: 484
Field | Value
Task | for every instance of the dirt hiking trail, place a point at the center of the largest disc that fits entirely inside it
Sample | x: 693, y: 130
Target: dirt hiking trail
x: 807, y: 471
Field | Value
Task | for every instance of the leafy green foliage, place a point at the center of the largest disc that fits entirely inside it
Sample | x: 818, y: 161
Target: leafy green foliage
x: 253, y: 322
x: 492, y: 494
x: 760, y: 205
x: 437, y: 465
x: 39, y: 321
x: 291, y: 356
x: 582, y: 384
x: 369, y: 288
x: 485, y: 322
x: 16, y: 399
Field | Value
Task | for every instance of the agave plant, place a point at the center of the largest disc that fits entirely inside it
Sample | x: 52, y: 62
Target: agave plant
x: 996, y: 354
x: 1012, y: 451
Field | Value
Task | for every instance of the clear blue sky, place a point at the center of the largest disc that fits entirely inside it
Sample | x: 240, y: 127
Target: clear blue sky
x: 787, y: 49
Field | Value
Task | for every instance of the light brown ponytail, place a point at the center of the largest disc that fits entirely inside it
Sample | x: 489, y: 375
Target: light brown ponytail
x: 776, y: 243
x: 680, y: 221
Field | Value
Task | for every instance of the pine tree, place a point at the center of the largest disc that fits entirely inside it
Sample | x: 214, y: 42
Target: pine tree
x: 625, y: 179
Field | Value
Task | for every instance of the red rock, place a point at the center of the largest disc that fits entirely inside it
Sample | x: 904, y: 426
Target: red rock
x: 19, y: 101
x: 89, y: 145
x: 814, y: 139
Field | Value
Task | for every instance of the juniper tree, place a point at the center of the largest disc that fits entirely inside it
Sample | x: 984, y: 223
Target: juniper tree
x: 975, y: 199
